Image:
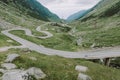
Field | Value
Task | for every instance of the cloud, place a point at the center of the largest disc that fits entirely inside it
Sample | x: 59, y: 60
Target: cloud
x: 64, y: 8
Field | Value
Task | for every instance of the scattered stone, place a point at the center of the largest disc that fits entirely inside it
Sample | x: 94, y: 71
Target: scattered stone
x: 10, y: 41
x: 36, y: 72
x: 2, y: 70
x: 81, y: 68
x: 15, y: 75
x: 33, y: 58
x: 26, y: 50
x: 102, y: 61
x: 93, y: 45
x: 8, y: 66
x: 11, y: 57
x: 83, y: 77
x: 79, y: 41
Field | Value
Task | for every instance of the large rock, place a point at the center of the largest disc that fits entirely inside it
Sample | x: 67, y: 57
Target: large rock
x: 80, y: 68
x: 11, y: 57
x: 83, y: 77
x: 36, y: 72
x: 15, y: 75
x: 8, y: 66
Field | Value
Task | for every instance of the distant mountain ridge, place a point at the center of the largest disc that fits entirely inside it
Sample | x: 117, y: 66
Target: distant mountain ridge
x: 34, y: 9
x: 105, y: 8
x: 76, y: 16
x: 81, y: 13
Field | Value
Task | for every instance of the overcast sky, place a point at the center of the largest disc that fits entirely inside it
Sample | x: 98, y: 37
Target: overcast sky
x: 64, y: 8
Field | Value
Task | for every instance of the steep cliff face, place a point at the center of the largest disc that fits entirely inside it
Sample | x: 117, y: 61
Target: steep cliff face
x: 34, y: 9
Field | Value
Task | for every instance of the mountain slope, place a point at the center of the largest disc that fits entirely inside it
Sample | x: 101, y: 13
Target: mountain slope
x: 101, y: 26
x: 104, y: 8
x: 76, y: 16
x: 81, y: 14
x: 34, y: 9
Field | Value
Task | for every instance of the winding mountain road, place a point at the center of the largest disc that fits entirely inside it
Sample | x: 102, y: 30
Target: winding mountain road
x: 91, y: 54
x: 45, y: 32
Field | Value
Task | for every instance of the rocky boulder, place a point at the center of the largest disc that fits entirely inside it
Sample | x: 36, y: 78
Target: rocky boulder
x: 8, y: 66
x: 80, y: 68
x: 11, y: 57
x: 15, y: 75
x: 83, y: 77
x: 36, y: 72
x: 79, y: 41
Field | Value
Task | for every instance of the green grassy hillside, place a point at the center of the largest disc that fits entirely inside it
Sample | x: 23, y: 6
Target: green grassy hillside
x: 33, y: 8
x: 58, y: 68
x: 10, y: 17
x: 101, y: 26
x: 105, y: 8
x: 16, y: 17
x: 102, y: 32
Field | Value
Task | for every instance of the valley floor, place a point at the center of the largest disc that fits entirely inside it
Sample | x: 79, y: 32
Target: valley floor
x: 114, y: 52
x: 65, y: 65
